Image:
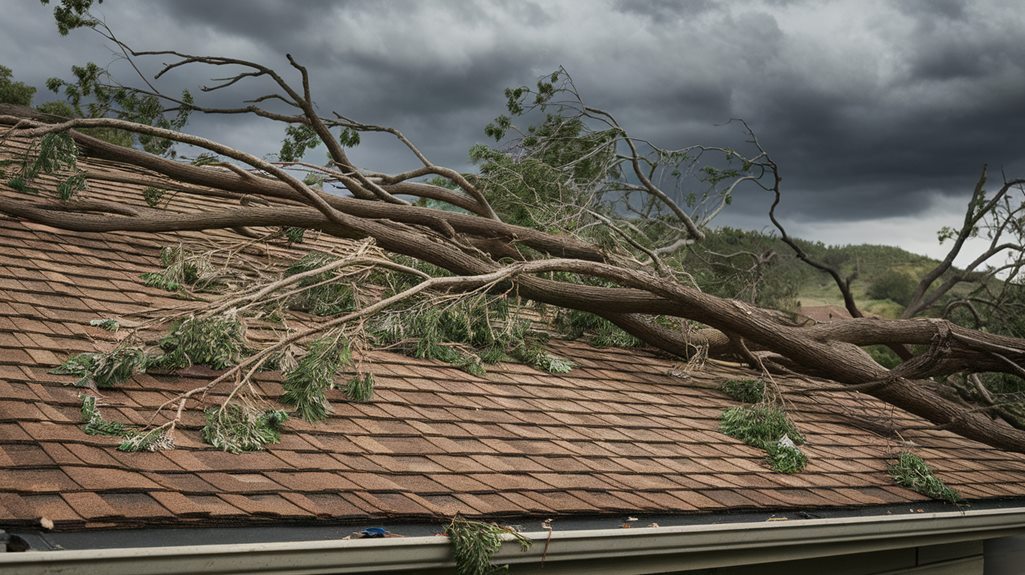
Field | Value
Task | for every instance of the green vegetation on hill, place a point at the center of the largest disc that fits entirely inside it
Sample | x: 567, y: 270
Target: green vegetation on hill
x: 884, y: 276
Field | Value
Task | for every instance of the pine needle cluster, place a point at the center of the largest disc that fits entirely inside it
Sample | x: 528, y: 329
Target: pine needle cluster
x: 469, y: 334
x: 109, y: 324
x: 306, y: 384
x: 744, y: 390
x: 104, y: 370
x: 236, y: 428
x: 132, y: 439
x: 153, y: 196
x: 600, y: 332
x: 94, y: 423
x: 912, y: 472
x: 217, y: 342
x: 53, y: 154
x: 767, y: 427
x: 326, y: 293
x: 474, y: 543
x: 294, y: 235
x: 181, y: 268
x: 361, y: 387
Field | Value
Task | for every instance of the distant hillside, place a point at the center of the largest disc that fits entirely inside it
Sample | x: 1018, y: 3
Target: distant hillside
x: 883, y: 274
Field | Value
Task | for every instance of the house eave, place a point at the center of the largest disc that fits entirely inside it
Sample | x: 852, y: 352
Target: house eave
x: 637, y: 550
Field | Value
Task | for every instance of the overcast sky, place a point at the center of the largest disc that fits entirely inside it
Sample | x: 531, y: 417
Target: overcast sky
x: 880, y: 113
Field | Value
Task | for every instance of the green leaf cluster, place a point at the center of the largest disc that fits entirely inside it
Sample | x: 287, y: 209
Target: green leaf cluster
x: 361, y: 387
x: 12, y: 92
x: 306, y: 384
x: 294, y: 235
x: 132, y: 439
x: 474, y: 543
x: 80, y: 365
x: 57, y: 152
x: 236, y: 428
x: 349, y: 138
x: 95, y: 424
x: 531, y: 351
x: 72, y: 14
x: 298, y: 139
x: 151, y: 440
x: 893, y: 285
x: 314, y: 180
x: 53, y: 154
x: 110, y: 369
x: 558, y: 166
x: 468, y: 333
x: 745, y: 390
x: 93, y: 94
x: 600, y: 332
x: 105, y: 370
x: 444, y: 333
x: 153, y: 196
x: 181, y: 269
x: 217, y: 342
x: 517, y: 99
x: 70, y: 186
x: 758, y: 425
x: 786, y: 458
x: 766, y: 427
x: 326, y: 293
x: 912, y: 472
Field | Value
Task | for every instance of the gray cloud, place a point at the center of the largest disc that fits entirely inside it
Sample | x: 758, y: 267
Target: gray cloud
x: 873, y: 108
x: 662, y: 10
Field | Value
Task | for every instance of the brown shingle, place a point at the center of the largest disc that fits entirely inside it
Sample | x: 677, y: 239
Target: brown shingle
x: 371, y: 482
x: 25, y: 455
x: 105, y: 479
x: 216, y: 506
x: 91, y: 506
x: 273, y: 505
x: 52, y: 507
x: 240, y: 482
x: 138, y: 505
x: 407, y: 463
x: 307, y: 460
x: 404, y: 504
x: 182, y: 482
x: 312, y: 481
x: 449, y: 505
x: 181, y: 505
x: 93, y: 456
x: 328, y: 505
x: 36, y: 481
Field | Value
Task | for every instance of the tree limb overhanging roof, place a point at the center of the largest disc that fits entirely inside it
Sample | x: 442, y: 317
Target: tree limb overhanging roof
x: 626, y: 432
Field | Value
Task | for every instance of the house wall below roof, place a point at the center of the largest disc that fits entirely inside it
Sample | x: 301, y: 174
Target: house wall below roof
x: 1005, y: 556
x: 950, y: 559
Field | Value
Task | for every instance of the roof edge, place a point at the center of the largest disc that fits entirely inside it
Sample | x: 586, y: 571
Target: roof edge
x: 637, y: 550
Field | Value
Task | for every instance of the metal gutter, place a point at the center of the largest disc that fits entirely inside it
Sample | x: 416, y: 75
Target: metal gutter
x: 637, y: 550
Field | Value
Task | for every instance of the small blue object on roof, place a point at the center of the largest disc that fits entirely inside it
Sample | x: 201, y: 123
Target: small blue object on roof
x: 374, y: 532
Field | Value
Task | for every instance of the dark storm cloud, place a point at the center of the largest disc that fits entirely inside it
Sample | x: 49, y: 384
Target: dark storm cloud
x: 953, y: 103
x: 265, y: 20
x: 440, y: 98
x: 661, y: 10
x: 873, y: 108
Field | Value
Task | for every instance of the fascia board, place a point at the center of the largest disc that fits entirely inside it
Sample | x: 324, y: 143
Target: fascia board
x: 636, y: 550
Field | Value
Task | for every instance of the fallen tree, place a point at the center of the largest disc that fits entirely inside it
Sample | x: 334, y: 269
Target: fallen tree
x: 572, y: 212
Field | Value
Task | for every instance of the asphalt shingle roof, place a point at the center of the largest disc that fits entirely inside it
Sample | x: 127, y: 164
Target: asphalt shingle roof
x: 625, y: 432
